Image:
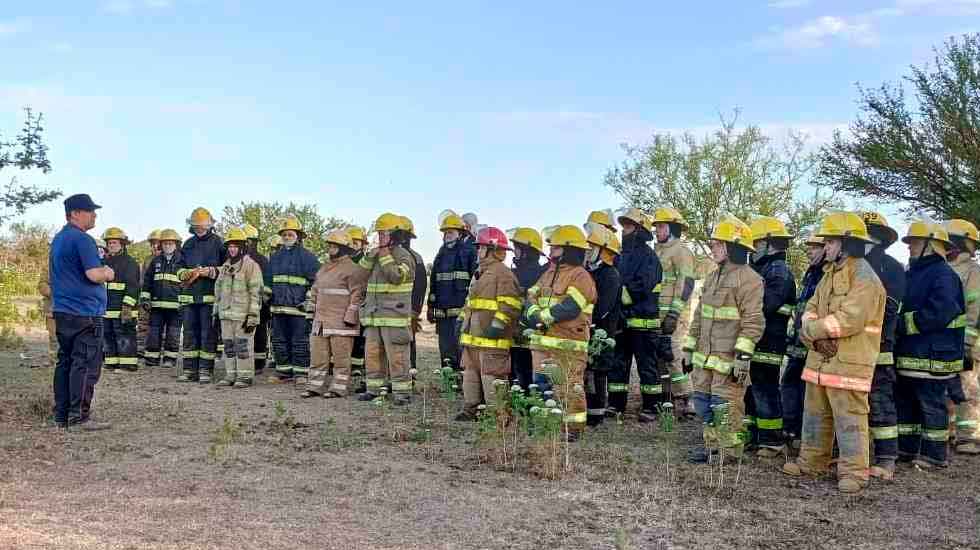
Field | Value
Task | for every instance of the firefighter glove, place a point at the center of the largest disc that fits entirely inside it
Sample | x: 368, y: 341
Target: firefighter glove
x: 827, y: 347
x: 669, y: 324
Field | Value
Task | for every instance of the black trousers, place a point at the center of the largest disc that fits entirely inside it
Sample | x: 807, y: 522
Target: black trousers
x: 883, y: 420
x: 793, y: 390
x: 642, y: 345
x: 521, y: 366
x: 923, y: 419
x: 80, y: 352
x: 763, y: 405
x: 200, y: 338
x: 261, y: 345
x: 163, y: 338
x: 449, y: 350
x: 119, y: 344
x: 291, y: 344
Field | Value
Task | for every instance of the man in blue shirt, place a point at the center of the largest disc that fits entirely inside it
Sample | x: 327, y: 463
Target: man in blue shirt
x: 78, y: 297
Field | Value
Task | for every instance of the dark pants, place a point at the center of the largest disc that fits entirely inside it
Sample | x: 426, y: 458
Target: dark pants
x: 883, y: 419
x: 596, y: 385
x: 291, y: 345
x: 763, y: 408
x: 120, y: 344
x: 449, y: 350
x: 358, y: 375
x: 200, y: 339
x: 642, y: 345
x: 163, y: 338
x: 79, y: 353
x: 261, y: 345
x: 521, y: 367
x: 923, y: 420
x: 793, y: 390
x: 92, y: 376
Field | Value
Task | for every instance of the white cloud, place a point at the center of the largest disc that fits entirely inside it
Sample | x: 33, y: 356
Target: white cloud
x: 15, y: 26
x: 788, y: 4
x: 820, y: 32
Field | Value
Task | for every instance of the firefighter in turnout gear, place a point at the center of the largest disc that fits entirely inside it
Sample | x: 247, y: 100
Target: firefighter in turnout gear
x: 560, y: 312
x: 261, y: 338
x: 929, y: 349
x: 842, y: 329
x: 119, y: 329
x: 337, y: 294
x: 606, y: 317
x: 143, y: 321
x: 964, y: 241
x: 677, y: 263
x: 763, y: 407
x: 793, y: 387
x: 641, y: 275
x: 718, y: 349
x: 161, y: 294
x: 238, y: 305
x: 606, y: 218
x: 291, y: 273
x: 528, y: 248
x: 387, y: 311
x: 883, y: 420
x: 489, y: 320
x: 452, y: 270
x: 358, y: 244
x: 197, y: 269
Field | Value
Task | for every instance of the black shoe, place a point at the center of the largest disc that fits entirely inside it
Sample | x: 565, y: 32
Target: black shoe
x: 700, y: 455
x: 366, y: 396
x: 647, y: 416
x: 466, y: 416
x: 593, y: 421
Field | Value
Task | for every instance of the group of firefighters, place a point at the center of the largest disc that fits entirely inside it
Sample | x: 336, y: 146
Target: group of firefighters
x: 868, y: 360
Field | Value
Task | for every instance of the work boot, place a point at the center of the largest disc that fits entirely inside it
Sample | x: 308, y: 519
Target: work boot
x: 243, y: 383
x: 850, y: 486
x: 883, y: 470
x: 968, y: 448
x: 684, y: 408
x: 793, y: 469
x: 924, y: 464
x: 224, y: 382
x: 700, y: 455
x: 366, y: 396
x: 647, y: 416
x: 770, y: 451
x: 204, y: 377
x: 306, y: 394
x: 593, y: 420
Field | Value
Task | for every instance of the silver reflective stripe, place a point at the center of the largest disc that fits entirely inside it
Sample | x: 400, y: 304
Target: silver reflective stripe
x: 335, y: 291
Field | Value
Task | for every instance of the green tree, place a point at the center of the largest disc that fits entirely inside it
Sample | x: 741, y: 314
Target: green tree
x: 266, y: 216
x: 27, y: 151
x: 732, y: 170
x: 922, y: 151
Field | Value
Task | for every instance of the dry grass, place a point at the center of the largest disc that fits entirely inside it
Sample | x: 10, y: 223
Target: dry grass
x: 194, y: 467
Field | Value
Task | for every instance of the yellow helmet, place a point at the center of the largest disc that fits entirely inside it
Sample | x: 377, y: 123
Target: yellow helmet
x: 291, y: 223
x: 733, y: 230
x: 843, y: 225
x: 935, y: 234
x: 99, y: 243
x: 114, y: 233
x: 408, y: 227
x: 251, y: 233
x: 964, y: 230
x: 356, y: 234
x: 636, y: 216
x: 200, y: 217
x: 275, y: 241
x: 154, y: 235
x: 877, y: 219
x: 566, y: 235
x: 603, y: 237
x: 388, y: 222
x: 451, y: 221
x: 338, y: 237
x: 235, y: 234
x: 526, y: 236
x: 767, y: 227
x: 169, y: 235
x: 666, y: 214
x: 602, y: 217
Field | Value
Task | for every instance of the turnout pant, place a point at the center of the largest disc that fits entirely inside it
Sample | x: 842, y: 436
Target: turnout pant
x: 291, y: 344
x: 239, y: 357
x: 643, y: 345
x: 80, y: 342
x: 325, y: 350
x: 120, y: 344
x: 884, y: 415
x: 386, y: 356
x: 521, y: 366
x: 680, y: 382
x: 260, y: 344
x: 163, y: 337
x: 831, y: 413
x: 481, y: 368
x: 763, y: 407
x: 571, y: 386
x: 142, y: 327
x: 200, y: 339
x: 720, y: 403
x: 449, y: 350
x: 968, y: 414
x: 793, y: 389
x: 923, y: 420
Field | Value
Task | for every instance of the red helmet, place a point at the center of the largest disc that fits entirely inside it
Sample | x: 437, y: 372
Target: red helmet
x: 492, y: 236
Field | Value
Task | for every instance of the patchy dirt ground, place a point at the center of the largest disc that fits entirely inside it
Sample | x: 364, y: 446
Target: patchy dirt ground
x: 194, y: 467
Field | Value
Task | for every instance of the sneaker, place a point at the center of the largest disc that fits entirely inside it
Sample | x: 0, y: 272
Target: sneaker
x: 926, y: 465
x: 243, y: 383
x: 224, y: 383
x: 769, y: 451
x: 850, y: 486
x: 366, y: 396
x: 968, y: 448
x: 647, y: 416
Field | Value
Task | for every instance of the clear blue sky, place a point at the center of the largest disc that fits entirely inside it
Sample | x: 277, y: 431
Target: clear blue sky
x: 513, y: 110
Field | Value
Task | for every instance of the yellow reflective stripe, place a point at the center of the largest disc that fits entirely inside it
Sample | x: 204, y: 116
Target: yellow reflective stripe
x: 884, y: 432
x: 909, y: 429
x: 616, y: 387
x: 910, y: 323
x: 129, y: 300
x: 712, y: 362
x: 128, y: 361
x: 166, y: 277
x: 386, y: 322
x: 480, y: 342
x: 885, y: 358
x: 116, y: 286
x: 551, y: 342
x: 387, y: 288
x: 724, y: 313
x: 577, y: 295
x: 668, y: 278
x: 290, y: 280
x: 677, y: 305
x: 145, y: 296
x: 651, y: 389
x: 576, y: 418
x: 548, y: 301
x: 111, y: 360
x: 546, y: 317
x: 185, y: 299
x: 112, y: 314
x: 935, y: 435
x: 206, y: 355
x: 643, y: 324
x: 588, y: 309
x: 626, y: 298
x: 365, y: 262
x: 785, y: 309
x: 744, y: 344
x: 286, y: 310
x: 386, y: 260
x: 452, y: 275
x: 690, y: 343
x: 658, y: 289
x: 930, y: 365
x: 482, y: 304
x: 958, y: 322
x: 500, y: 315
x: 511, y: 301
x: 767, y: 358
x: 972, y: 296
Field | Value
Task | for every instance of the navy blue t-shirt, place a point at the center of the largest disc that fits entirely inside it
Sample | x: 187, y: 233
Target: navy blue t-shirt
x: 73, y: 252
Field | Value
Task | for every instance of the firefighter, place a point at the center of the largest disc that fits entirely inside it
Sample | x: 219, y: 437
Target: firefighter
x: 528, y: 248
x: 606, y: 316
x: 291, y: 272
x: 200, y: 257
x: 261, y: 337
x: 929, y: 349
x: 470, y: 226
x: 763, y: 408
x: 965, y: 239
x: 560, y: 312
x: 489, y: 320
x: 883, y: 420
x: 387, y: 312
x: 641, y: 275
x: 161, y: 296
x: 338, y: 293
x: 358, y: 245
x: 238, y: 306
x: 418, y: 287
x: 143, y: 321
x: 718, y: 349
x: 119, y: 329
x: 842, y: 329
x: 452, y: 270
x: 605, y: 218
x: 677, y: 262
x: 44, y: 289
x: 792, y: 386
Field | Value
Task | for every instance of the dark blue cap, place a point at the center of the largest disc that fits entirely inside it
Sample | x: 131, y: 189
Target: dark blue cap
x: 80, y: 202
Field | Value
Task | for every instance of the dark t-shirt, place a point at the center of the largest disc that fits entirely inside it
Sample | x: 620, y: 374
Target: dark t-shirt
x: 73, y: 252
